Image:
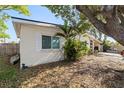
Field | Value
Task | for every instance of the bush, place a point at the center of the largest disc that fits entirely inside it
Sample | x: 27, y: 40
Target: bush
x: 89, y: 51
x: 106, y: 47
x: 75, y: 49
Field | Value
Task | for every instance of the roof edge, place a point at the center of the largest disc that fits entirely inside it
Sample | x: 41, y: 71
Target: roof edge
x: 24, y: 19
x: 91, y: 36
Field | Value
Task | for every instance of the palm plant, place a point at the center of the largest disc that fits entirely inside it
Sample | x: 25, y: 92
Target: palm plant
x: 73, y: 49
x: 68, y: 31
x: 82, y: 26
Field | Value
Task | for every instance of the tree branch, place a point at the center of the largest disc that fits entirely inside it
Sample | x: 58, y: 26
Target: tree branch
x: 90, y: 15
x: 6, y: 7
x: 115, y: 8
x: 121, y: 17
x: 121, y: 8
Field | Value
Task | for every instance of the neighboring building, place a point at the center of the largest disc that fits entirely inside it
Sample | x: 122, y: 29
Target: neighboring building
x: 117, y: 47
x: 38, y: 43
x: 92, y: 42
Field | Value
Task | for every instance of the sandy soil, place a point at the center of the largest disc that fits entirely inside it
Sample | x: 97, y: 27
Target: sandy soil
x: 102, y: 70
x: 94, y: 71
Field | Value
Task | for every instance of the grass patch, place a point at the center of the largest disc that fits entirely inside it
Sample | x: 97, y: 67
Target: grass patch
x: 7, y: 72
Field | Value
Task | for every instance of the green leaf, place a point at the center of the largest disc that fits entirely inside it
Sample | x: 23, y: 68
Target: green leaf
x: 4, y: 35
x: 23, y: 9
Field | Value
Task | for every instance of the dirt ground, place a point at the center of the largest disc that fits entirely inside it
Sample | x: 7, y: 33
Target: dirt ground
x: 102, y: 70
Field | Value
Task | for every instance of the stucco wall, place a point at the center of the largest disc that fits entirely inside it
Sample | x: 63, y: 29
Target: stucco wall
x: 31, y: 49
x: 95, y: 43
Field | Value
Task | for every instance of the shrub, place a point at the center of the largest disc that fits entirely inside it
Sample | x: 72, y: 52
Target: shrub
x: 75, y: 49
x: 106, y: 47
x: 89, y: 51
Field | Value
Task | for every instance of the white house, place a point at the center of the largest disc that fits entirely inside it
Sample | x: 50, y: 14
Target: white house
x: 38, y: 43
x: 92, y: 42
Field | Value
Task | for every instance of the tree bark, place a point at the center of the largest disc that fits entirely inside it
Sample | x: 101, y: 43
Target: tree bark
x: 112, y: 27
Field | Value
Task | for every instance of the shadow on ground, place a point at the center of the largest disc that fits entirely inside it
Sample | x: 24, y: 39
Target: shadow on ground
x: 87, y: 73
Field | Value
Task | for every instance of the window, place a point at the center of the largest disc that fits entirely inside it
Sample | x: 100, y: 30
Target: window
x: 46, y: 42
x: 49, y: 42
x: 55, y: 42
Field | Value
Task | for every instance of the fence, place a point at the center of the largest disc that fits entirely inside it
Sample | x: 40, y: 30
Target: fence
x: 9, y: 49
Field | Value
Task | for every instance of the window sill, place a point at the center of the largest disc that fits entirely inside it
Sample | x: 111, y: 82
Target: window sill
x: 51, y: 50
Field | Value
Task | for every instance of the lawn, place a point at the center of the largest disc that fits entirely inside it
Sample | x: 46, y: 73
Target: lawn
x: 91, y: 71
x: 8, y: 74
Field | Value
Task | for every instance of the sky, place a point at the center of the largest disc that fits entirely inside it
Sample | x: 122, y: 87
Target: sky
x: 37, y: 13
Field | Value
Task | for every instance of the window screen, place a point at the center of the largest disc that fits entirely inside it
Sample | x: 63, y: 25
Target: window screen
x: 46, y: 42
x: 55, y: 42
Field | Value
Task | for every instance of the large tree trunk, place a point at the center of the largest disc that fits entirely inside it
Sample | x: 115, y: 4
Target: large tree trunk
x: 115, y: 31
x: 111, y: 28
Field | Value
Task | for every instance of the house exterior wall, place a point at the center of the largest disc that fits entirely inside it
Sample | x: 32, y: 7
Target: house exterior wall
x: 31, y: 51
x: 95, y: 43
x: 98, y: 45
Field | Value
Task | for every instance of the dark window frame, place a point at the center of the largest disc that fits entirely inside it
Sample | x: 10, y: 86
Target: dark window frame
x: 51, y: 46
x: 43, y: 46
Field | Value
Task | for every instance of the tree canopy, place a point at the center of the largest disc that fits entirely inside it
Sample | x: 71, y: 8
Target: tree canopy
x: 108, y: 19
x: 23, y: 9
x: 4, y: 36
x: 4, y: 16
